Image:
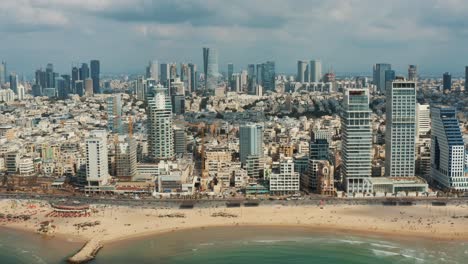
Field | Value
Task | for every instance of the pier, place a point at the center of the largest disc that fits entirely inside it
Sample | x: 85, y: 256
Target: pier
x: 87, y: 252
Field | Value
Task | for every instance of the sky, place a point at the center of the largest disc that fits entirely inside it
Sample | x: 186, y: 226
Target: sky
x: 347, y: 35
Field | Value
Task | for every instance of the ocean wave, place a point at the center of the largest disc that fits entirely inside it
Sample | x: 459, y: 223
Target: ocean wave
x: 206, y: 244
x: 383, y: 245
x: 269, y: 241
x: 413, y: 257
x: 353, y: 242
x: 383, y: 253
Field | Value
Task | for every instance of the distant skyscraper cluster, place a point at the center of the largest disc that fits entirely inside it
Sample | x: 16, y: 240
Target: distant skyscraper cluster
x: 382, y: 75
x: 309, y: 71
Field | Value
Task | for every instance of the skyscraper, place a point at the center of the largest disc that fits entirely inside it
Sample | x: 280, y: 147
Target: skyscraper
x: 97, y: 173
x: 180, y: 141
x: 126, y: 157
x: 357, y: 141
x: 400, y: 131
x: 160, y: 133
x: 389, y: 77
x: 466, y: 79
x: 230, y: 72
x: 165, y: 75
x: 88, y: 86
x: 75, y: 76
x: 3, y: 73
x: 251, y: 79
x: 84, y: 72
x: 210, y: 67
x: 250, y: 141
x: 95, y: 75
x: 152, y: 70
x: 447, y: 81
x: 193, y: 77
x: 379, y: 76
x: 447, y: 149
x: 268, y: 76
x: 315, y: 70
x: 50, y: 76
x: 413, y: 73
x: 14, y: 82
x: 62, y: 91
x: 114, y: 113
x: 301, y: 71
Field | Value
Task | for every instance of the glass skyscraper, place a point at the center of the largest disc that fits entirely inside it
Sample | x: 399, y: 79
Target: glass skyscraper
x: 400, y: 131
x: 356, y: 141
x: 447, y: 149
x: 315, y: 70
x: 95, y: 75
x: 210, y: 67
x: 379, y: 76
x: 250, y: 141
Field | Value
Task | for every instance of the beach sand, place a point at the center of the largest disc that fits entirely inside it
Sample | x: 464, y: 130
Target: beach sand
x: 121, y: 222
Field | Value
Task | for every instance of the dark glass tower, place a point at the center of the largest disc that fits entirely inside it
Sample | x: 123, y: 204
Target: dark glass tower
x: 95, y: 73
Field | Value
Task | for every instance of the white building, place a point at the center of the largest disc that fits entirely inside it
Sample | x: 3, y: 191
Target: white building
x: 160, y: 133
x: 357, y: 141
x: 97, y: 173
x: 400, y: 131
x: 423, y: 119
x: 283, y: 177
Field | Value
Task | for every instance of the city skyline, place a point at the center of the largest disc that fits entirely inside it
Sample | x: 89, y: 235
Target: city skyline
x: 348, y: 37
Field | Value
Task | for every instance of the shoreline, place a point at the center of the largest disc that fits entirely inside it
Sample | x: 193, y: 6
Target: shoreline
x: 119, y: 223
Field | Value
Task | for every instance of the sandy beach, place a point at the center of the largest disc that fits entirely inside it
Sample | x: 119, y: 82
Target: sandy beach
x: 121, y: 222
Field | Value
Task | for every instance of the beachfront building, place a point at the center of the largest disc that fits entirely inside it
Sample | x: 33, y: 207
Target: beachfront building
x: 356, y: 141
x: 400, y: 131
x: 318, y: 151
x: 283, y: 178
x: 160, y: 133
x: 125, y: 158
x: 251, y: 141
x: 447, y: 149
x: 97, y: 174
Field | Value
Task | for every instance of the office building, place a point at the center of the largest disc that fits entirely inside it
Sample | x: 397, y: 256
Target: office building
x: 210, y: 67
x: 88, y: 83
x: 21, y: 92
x: 400, y: 131
x: 447, y: 81
x: 447, y: 150
x: 379, y: 76
x: 302, y: 71
x: 180, y: 141
x: 84, y: 72
x: 466, y: 79
x: 50, y: 76
x: 62, y: 91
x: 160, y: 133
x: 97, y: 171
x: 423, y: 120
x: 126, y: 158
x: 318, y: 151
x: 230, y: 72
x: 152, y: 70
x: 3, y: 73
x: 356, y: 141
x: 193, y: 77
x: 79, y: 88
x: 165, y: 75
x: 283, y: 178
x: 268, y: 76
x: 75, y: 76
x: 413, y: 73
x: 95, y: 76
x: 251, y: 141
x: 114, y: 114
x: 315, y: 70
x: 14, y: 82
x: 389, y: 78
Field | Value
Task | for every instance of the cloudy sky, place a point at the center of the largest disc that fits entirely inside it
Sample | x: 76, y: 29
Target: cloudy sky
x: 348, y: 35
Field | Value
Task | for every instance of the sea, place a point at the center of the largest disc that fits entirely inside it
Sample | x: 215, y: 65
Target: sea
x: 226, y: 245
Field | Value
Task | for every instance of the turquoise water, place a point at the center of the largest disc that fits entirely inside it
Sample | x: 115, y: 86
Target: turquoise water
x: 272, y: 245
x: 19, y: 247
x: 238, y: 245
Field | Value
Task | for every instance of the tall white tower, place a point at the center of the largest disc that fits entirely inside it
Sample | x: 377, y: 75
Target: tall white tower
x: 160, y: 134
x: 400, y: 131
x: 96, y: 158
x: 357, y: 141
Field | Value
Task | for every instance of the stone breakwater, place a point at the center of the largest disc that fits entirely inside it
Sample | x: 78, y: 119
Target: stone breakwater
x: 87, y: 252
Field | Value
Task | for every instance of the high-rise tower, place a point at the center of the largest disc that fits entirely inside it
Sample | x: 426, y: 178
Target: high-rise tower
x: 315, y: 70
x: 210, y: 67
x: 160, y: 132
x: 357, y: 141
x: 251, y: 141
x: 95, y: 76
x: 400, y: 131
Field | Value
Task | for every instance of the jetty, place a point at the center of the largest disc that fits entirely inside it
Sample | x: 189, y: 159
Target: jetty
x: 87, y: 252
